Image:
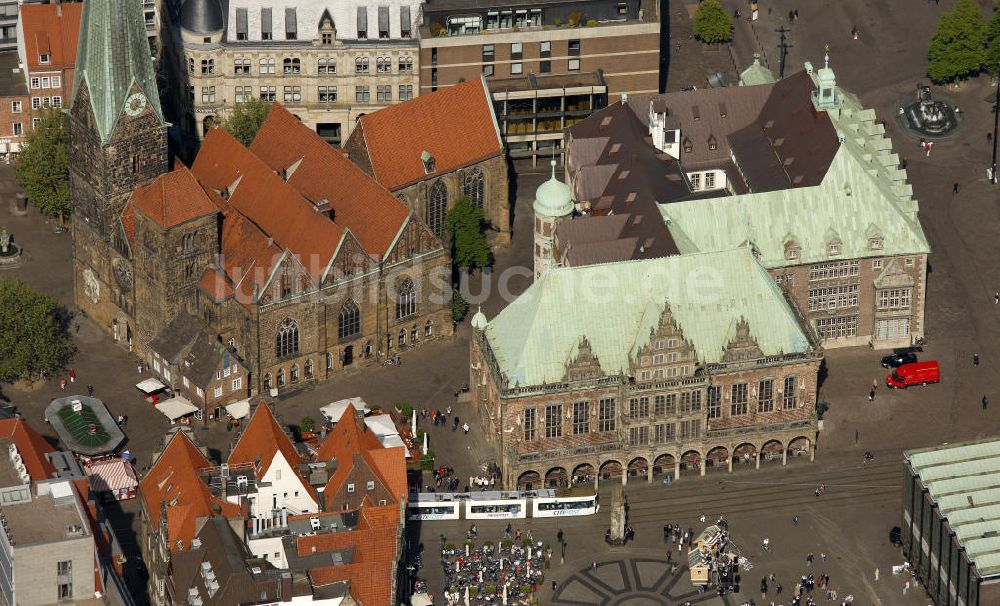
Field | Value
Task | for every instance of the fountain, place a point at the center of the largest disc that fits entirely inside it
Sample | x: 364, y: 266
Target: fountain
x: 10, y: 253
x: 927, y: 116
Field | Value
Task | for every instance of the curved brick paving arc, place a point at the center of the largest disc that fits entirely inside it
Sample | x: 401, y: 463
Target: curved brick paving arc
x: 631, y: 581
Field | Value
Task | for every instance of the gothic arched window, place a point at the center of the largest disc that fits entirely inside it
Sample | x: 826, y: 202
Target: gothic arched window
x: 281, y: 377
x: 474, y: 186
x: 437, y: 207
x: 286, y: 342
x: 428, y: 329
x: 406, y: 300
x: 349, y: 322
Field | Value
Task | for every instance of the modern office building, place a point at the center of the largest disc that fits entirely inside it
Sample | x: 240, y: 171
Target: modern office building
x: 951, y: 522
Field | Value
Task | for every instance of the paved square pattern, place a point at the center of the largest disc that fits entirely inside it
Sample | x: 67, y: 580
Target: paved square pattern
x: 631, y: 581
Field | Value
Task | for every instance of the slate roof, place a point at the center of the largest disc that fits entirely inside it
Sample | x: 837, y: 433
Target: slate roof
x: 457, y: 125
x: 262, y: 439
x: 187, y: 343
x: 320, y: 172
x: 173, y: 198
x: 964, y: 481
x: 32, y: 446
x: 615, y: 306
x: 112, y: 56
x: 174, y: 481
x: 52, y: 29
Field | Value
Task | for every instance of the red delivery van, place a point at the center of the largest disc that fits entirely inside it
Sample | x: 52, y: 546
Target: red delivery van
x: 918, y: 373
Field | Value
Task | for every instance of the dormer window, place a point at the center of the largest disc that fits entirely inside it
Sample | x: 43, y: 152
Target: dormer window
x: 429, y: 164
x: 43, y: 58
x: 875, y: 243
x: 792, y: 252
x: 833, y: 248
x: 712, y: 143
x: 688, y: 146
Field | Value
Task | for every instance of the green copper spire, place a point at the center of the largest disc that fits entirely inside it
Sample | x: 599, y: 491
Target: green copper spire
x: 113, y: 55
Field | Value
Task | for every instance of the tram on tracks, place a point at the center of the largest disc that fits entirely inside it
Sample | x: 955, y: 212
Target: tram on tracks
x: 498, y: 505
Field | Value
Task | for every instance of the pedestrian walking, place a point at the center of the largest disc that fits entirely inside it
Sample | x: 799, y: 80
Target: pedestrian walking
x: 954, y: 189
x: 553, y: 585
x: 594, y: 565
x: 795, y: 520
x: 90, y: 390
x: 975, y: 359
x: 822, y: 556
x: 856, y: 436
x: 72, y: 376
x: 465, y: 428
x: 986, y: 402
x: 871, y: 395
x: 996, y: 298
x: 138, y: 367
x: 876, y: 574
x: 62, y: 384
x: 989, y: 137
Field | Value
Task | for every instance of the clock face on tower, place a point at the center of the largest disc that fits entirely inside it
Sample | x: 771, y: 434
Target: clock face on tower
x: 135, y: 103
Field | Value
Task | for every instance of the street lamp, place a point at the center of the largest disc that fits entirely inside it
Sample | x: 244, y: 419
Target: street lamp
x: 996, y: 123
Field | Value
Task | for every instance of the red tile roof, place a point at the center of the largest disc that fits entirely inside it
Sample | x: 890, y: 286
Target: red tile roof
x: 456, y: 125
x: 260, y: 194
x: 216, y: 284
x: 32, y: 447
x: 248, y: 255
x: 359, y: 203
x: 173, y: 198
x: 52, y: 29
x: 264, y: 438
x: 375, y: 555
x: 174, y: 479
x: 128, y: 223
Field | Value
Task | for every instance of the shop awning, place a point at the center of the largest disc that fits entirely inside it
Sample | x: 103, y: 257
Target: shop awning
x: 176, y: 408
x: 111, y: 476
x: 421, y: 599
x: 381, y: 425
x: 393, y: 441
x: 238, y: 410
x: 150, y: 385
x: 334, y: 410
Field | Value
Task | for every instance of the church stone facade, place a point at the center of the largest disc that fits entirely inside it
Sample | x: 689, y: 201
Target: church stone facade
x: 303, y: 266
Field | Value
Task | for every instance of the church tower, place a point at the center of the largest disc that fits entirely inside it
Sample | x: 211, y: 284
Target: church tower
x: 118, y: 140
x: 553, y: 203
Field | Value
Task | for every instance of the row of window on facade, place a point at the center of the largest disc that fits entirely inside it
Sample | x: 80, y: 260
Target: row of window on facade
x: 38, y: 82
x: 293, y: 94
x: 293, y: 65
x: 289, y: 340
x: 473, y: 186
x: 646, y: 407
x: 16, y: 107
x: 505, y: 19
x: 846, y: 295
x: 326, y: 28
x: 516, y: 69
x: 845, y: 269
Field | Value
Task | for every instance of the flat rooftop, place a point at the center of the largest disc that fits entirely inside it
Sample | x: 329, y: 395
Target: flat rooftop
x: 45, y: 519
x: 964, y: 481
x: 12, y: 82
x: 543, y: 82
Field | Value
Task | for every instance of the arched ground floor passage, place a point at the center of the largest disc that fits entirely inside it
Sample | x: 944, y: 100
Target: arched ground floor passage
x: 670, y: 465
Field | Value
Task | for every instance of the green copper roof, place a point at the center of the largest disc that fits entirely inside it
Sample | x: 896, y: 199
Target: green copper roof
x: 615, y: 306
x: 850, y: 206
x: 113, y: 54
x: 553, y: 198
x: 964, y: 480
x: 756, y: 74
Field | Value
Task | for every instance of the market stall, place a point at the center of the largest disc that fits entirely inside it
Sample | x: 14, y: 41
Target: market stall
x: 334, y: 410
x: 113, y: 479
x: 150, y: 386
x: 238, y: 410
x: 177, y: 409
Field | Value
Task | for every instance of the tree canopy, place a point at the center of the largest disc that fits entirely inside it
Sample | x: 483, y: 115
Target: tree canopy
x: 992, y: 61
x: 469, y: 248
x: 712, y: 23
x: 34, y: 339
x: 958, y: 48
x: 246, y: 119
x: 42, y: 167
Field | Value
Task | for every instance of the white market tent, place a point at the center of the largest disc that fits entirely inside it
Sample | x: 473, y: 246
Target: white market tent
x: 176, y: 407
x: 150, y: 385
x: 421, y: 599
x: 334, y: 410
x: 383, y: 427
x: 238, y: 410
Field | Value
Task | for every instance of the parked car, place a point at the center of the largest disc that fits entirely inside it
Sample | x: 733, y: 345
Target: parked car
x: 919, y: 373
x: 898, y: 358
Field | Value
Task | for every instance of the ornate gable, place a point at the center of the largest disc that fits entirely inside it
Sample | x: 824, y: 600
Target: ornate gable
x: 351, y: 259
x: 743, y: 346
x: 585, y: 365
x: 415, y: 237
x: 666, y: 354
x: 894, y: 275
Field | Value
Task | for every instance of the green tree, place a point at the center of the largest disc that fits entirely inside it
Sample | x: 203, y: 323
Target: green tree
x: 246, y: 119
x: 34, y: 339
x: 465, y: 230
x: 42, y: 167
x: 958, y: 48
x: 712, y: 23
x: 306, y: 424
x: 459, y: 306
x: 992, y: 61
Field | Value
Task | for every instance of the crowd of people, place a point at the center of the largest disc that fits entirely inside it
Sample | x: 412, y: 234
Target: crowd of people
x: 507, y: 571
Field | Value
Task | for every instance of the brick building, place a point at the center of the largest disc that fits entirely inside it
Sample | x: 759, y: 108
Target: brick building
x: 429, y: 155
x: 15, y: 119
x: 672, y: 365
x: 47, y: 42
x: 323, y: 532
x: 304, y: 265
x: 797, y: 169
x: 548, y: 64
x: 327, y: 65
